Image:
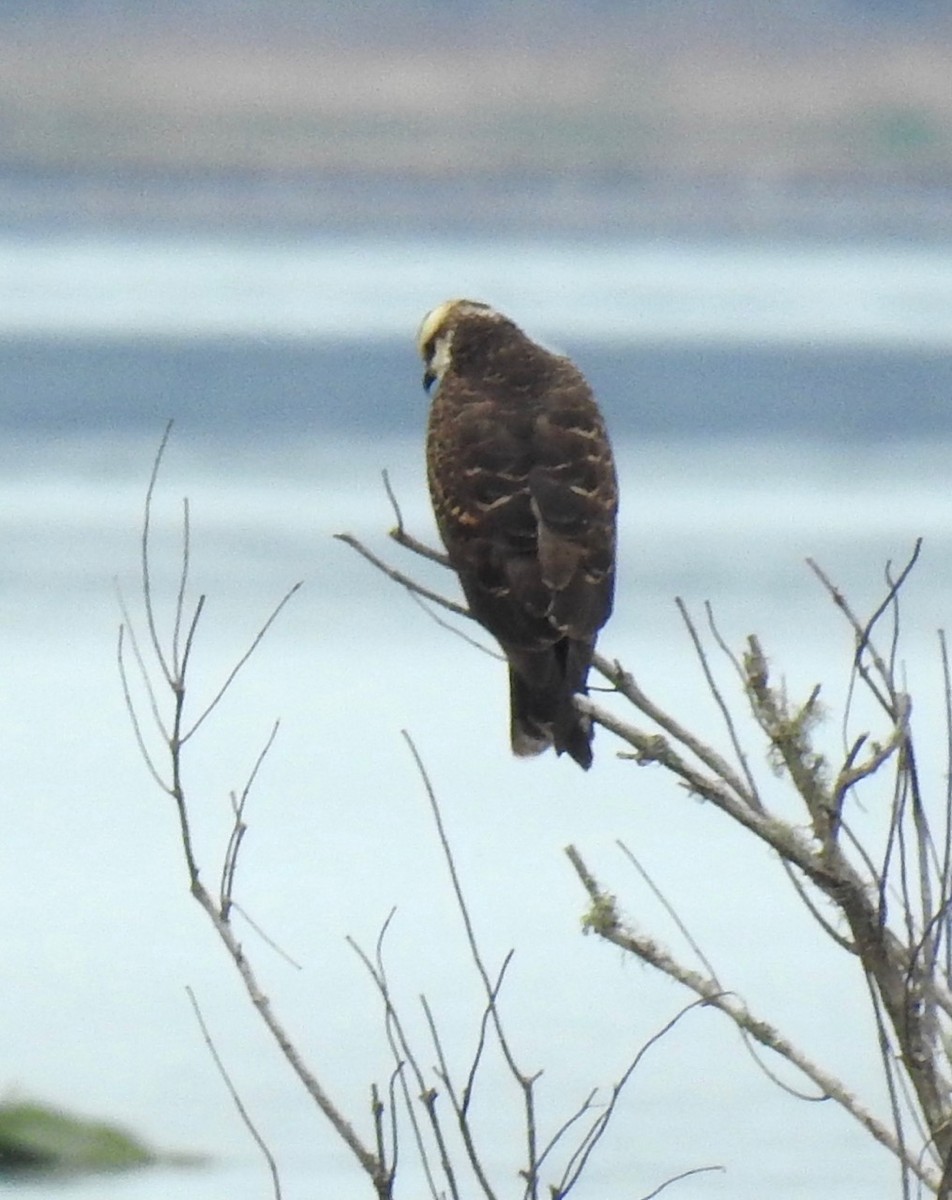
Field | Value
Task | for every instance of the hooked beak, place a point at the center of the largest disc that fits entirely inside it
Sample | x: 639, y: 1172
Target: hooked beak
x: 429, y: 378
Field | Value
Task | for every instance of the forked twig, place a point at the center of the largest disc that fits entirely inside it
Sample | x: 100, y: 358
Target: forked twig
x: 134, y: 716
x: 525, y: 1081
x: 407, y: 540
x: 576, y: 1164
x: 230, y: 679
x: 404, y: 1056
x: 174, y: 669
x: 606, y: 923
x: 906, y: 951
x: 230, y: 862
x: 399, y: 577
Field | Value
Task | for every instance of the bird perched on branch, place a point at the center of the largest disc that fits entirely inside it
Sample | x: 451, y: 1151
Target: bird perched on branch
x: 525, y: 496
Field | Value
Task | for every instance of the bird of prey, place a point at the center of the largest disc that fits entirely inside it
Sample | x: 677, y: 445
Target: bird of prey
x: 523, y: 486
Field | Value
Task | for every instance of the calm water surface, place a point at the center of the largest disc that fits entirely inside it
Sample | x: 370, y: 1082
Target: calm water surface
x: 101, y: 936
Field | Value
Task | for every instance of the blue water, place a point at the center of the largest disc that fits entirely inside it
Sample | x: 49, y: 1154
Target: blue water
x: 739, y: 455
x: 595, y: 289
x: 268, y: 388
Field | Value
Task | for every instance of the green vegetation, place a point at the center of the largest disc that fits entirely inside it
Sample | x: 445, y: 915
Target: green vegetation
x: 35, y: 1137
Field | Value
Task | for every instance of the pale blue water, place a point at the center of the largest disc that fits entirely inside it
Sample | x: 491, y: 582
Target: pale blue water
x: 100, y: 936
x: 350, y: 287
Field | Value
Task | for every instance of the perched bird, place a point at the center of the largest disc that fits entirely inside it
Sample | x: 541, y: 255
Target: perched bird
x: 525, y: 496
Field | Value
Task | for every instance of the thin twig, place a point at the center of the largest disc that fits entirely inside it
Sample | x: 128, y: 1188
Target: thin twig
x: 888, y: 1061
x: 715, y: 691
x: 399, y: 577
x: 584, y: 1107
x: 236, y: 1099
x: 403, y: 1056
x: 183, y: 584
x: 454, y: 629
x: 230, y: 862
x: 255, y: 643
x: 578, y: 1162
x: 392, y: 497
x: 144, y: 674
x: 677, y: 1179
x: 268, y: 941
x: 887, y: 602
x: 394, y: 1034
x: 177, y: 685
x: 399, y: 1049
x: 469, y: 1086
x: 134, y: 716
x: 144, y: 557
x: 624, y: 682
x: 400, y: 535
x: 709, y: 967
x: 608, y: 926
x: 462, y: 1123
x: 525, y: 1081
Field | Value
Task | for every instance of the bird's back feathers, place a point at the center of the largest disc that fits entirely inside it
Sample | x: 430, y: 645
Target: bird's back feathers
x: 523, y: 487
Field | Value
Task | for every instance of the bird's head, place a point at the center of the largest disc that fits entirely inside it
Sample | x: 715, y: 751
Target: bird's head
x: 435, y: 338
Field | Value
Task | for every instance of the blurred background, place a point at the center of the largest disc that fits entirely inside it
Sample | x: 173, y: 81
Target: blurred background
x: 737, y: 219
x: 621, y: 115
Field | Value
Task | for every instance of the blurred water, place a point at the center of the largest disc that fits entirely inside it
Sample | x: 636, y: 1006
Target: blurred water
x: 375, y: 287
x: 101, y: 937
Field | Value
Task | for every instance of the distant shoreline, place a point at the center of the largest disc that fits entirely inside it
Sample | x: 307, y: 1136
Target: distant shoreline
x: 694, y: 124
x: 250, y: 203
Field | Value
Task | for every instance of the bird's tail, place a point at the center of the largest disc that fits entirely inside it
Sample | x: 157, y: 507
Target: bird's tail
x: 542, y: 684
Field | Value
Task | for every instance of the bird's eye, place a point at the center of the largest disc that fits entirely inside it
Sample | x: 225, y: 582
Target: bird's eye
x: 429, y: 347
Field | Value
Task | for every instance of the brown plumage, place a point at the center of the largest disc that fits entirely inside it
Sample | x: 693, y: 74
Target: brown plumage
x: 524, y: 491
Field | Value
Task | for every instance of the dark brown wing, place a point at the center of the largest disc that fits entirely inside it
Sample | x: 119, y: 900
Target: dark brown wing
x: 523, y: 488
x: 575, y: 500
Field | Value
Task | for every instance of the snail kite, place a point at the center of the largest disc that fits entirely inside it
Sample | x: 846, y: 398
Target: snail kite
x: 523, y: 487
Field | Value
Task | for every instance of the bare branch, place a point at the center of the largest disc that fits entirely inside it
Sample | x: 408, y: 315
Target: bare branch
x: 709, y: 967
x: 653, y: 748
x: 236, y: 1099
x: 717, y: 694
x: 463, y: 1125
x: 134, y: 716
x: 183, y: 584
x: 945, y: 871
x: 470, y: 1084
x: 230, y: 862
x: 585, y: 1107
x: 886, y: 603
x: 454, y: 629
x: 255, y: 643
x: 144, y: 557
x: 524, y: 1080
x: 402, y: 538
x: 851, y: 775
x: 399, y: 577
x: 268, y: 941
x: 422, y: 596
x: 391, y: 496
x: 578, y: 1162
x: 175, y: 674
x: 677, y: 1179
x: 144, y: 673
x: 404, y: 1055
x: 262, y: 1004
x: 606, y: 923
x: 624, y: 682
